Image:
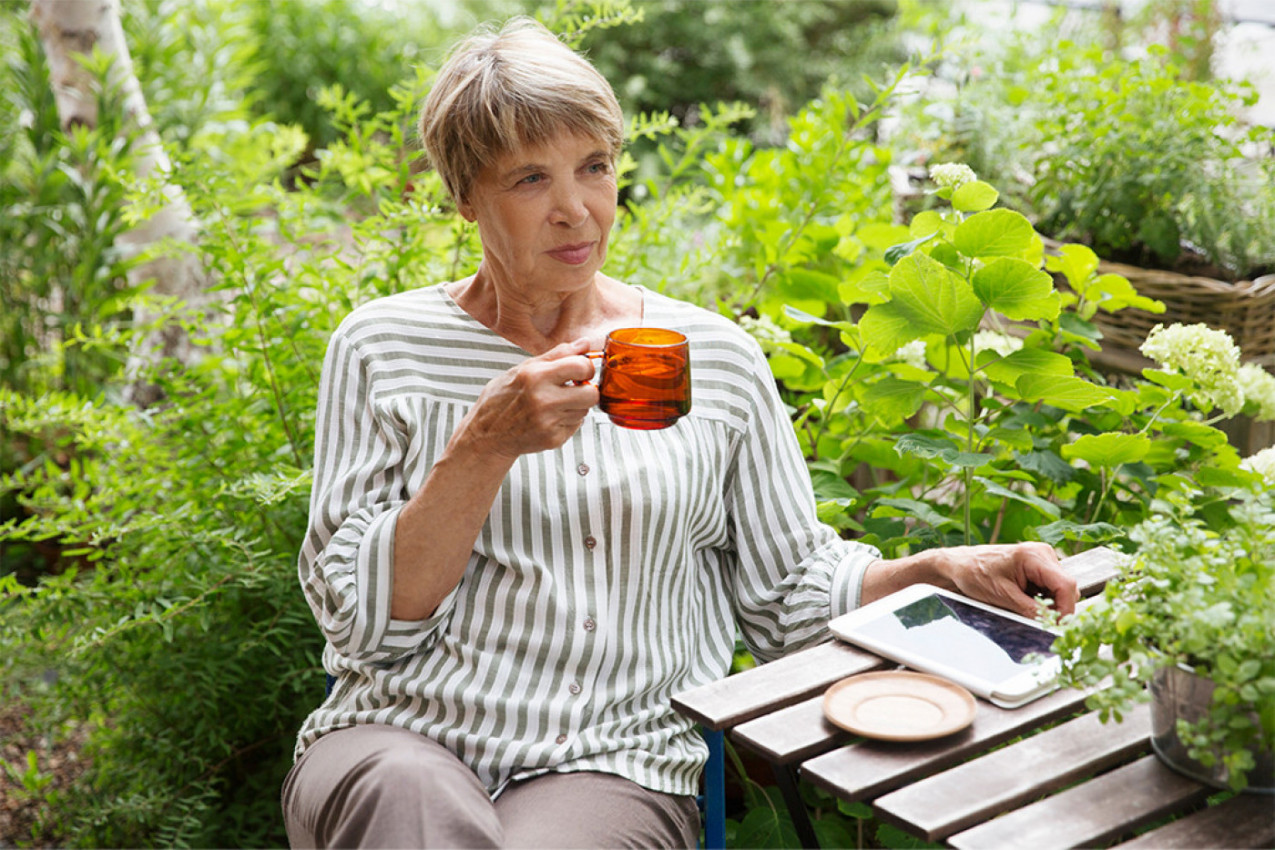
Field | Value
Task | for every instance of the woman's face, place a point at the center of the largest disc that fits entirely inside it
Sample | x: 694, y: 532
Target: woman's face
x: 544, y: 214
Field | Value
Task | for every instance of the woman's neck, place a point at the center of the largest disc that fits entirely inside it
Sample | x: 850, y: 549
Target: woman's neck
x: 536, y: 322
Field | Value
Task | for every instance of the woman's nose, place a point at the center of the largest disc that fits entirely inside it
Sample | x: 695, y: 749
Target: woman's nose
x: 568, y: 207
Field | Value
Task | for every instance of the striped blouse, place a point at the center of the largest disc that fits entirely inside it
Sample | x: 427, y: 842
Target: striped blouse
x: 611, y: 573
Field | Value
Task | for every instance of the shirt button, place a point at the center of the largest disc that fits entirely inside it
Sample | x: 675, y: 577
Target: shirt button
x: 583, y: 469
x: 590, y: 542
x: 561, y: 739
x: 573, y: 688
x: 590, y: 624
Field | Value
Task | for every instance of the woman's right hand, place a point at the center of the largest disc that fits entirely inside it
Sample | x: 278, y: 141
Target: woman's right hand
x: 535, y: 406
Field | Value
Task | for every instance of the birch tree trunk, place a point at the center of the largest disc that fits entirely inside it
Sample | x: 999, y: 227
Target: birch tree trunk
x: 71, y: 27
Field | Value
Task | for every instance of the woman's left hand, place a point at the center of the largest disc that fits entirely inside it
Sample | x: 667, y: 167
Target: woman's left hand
x: 1009, y: 575
x: 1005, y: 575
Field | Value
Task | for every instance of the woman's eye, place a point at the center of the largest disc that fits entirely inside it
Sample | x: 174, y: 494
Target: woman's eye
x: 532, y: 178
x: 599, y: 168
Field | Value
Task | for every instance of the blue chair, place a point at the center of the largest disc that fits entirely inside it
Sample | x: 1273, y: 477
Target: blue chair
x: 712, y: 802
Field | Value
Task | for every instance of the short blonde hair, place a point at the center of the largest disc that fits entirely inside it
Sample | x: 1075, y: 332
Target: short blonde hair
x: 500, y: 90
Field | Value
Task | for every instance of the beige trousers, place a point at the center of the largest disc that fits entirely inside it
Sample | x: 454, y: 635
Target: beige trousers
x: 381, y: 786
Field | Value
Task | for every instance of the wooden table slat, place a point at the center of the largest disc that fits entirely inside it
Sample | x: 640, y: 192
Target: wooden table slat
x: 1247, y: 820
x: 868, y: 768
x: 752, y: 693
x: 792, y: 734
x: 1095, y: 813
x: 935, y: 808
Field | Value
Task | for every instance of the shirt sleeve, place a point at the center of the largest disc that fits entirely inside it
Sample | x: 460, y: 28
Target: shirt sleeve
x: 346, y: 565
x: 794, y: 572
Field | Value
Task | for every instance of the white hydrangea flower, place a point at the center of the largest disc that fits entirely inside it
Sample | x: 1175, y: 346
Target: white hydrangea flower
x: 1258, y: 385
x: 1263, y: 463
x: 954, y: 174
x: 1206, y: 356
x: 1002, y: 343
x: 764, y: 329
x: 912, y: 354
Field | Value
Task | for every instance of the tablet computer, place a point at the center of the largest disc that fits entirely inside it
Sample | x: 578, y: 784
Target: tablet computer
x: 998, y: 655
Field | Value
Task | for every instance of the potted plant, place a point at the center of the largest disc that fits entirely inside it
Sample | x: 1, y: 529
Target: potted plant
x: 1190, y: 624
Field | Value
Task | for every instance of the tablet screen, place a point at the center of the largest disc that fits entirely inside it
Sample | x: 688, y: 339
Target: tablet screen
x: 962, y: 636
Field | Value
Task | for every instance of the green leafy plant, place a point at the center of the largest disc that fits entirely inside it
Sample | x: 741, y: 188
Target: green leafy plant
x: 1123, y: 148
x: 959, y: 405
x: 1133, y: 157
x: 175, y: 623
x: 1199, y: 592
x: 63, y: 197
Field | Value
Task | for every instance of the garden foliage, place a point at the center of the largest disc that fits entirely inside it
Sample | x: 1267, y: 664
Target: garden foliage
x: 1120, y: 149
x: 938, y: 377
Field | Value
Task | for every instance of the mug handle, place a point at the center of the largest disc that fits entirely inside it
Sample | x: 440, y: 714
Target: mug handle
x: 592, y: 355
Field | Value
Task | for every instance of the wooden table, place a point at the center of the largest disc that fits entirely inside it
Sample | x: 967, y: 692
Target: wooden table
x: 1067, y: 780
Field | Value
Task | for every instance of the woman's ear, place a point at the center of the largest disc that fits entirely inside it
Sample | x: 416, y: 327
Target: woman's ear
x: 466, y: 210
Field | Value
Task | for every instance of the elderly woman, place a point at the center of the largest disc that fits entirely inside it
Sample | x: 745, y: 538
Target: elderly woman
x: 511, y: 586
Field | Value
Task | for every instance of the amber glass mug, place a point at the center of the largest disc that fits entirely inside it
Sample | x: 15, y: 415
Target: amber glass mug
x: 646, y: 377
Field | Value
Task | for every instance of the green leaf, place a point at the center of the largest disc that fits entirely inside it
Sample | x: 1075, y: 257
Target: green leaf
x: 1029, y: 361
x: 880, y: 235
x: 1213, y: 476
x: 934, y: 446
x: 893, y: 400
x: 1204, y: 436
x: 933, y: 299
x: 974, y: 196
x: 1108, y: 450
x: 801, y: 352
x: 1114, y: 292
x: 1074, y: 394
x: 1046, y: 507
x: 911, y: 507
x: 1015, y: 438
x: 807, y: 284
x: 994, y: 233
x: 946, y: 253
x: 1094, y: 532
x: 904, y: 249
x: 886, y: 328
x: 829, y: 485
x: 805, y: 318
x: 1047, y: 464
x: 1169, y: 380
x: 1076, y: 263
x: 1080, y: 331
x: 1017, y: 289
x: 870, y: 288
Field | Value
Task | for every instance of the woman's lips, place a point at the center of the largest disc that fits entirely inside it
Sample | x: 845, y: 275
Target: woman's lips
x: 573, y: 255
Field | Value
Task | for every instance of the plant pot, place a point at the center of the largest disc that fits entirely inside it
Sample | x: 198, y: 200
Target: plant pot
x: 1178, y: 693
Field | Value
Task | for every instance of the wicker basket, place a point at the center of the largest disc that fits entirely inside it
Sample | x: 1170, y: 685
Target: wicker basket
x: 1245, y: 310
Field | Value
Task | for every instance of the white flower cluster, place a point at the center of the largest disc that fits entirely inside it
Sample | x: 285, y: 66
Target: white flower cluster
x: 764, y: 329
x: 952, y: 174
x: 1263, y: 463
x: 1208, y: 357
x: 912, y: 354
x: 1002, y: 343
x: 1258, y: 386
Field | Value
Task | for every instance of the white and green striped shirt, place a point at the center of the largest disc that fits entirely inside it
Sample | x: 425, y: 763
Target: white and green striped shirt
x: 611, y: 573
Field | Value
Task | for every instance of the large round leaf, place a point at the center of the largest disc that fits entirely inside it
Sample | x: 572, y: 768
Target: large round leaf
x: 1108, y: 450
